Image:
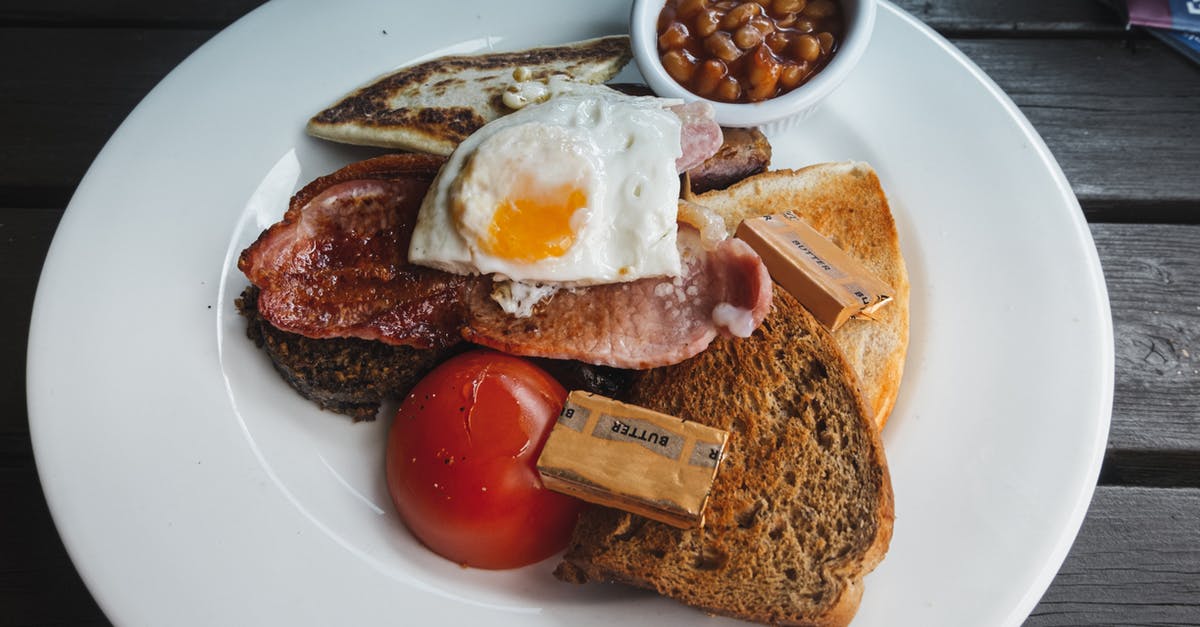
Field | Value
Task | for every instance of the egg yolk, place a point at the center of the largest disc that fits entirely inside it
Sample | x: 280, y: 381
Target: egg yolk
x: 534, y: 222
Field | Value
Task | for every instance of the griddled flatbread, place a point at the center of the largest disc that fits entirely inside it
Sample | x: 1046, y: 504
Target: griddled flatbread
x: 844, y: 202
x: 432, y: 106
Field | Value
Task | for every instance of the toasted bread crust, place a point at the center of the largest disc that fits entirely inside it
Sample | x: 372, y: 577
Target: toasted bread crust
x: 846, y: 203
x: 432, y: 106
x: 802, y: 507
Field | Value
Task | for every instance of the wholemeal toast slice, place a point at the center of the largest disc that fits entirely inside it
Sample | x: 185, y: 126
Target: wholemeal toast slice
x: 846, y: 203
x: 802, y: 505
x: 432, y: 106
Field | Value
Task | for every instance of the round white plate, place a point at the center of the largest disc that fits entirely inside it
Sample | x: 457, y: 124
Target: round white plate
x: 192, y: 486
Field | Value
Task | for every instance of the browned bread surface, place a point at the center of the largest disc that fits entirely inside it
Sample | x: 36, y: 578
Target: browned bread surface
x: 432, y: 106
x: 846, y: 203
x: 802, y: 506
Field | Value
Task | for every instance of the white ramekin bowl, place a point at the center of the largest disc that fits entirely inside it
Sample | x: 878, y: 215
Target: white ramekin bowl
x: 777, y: 114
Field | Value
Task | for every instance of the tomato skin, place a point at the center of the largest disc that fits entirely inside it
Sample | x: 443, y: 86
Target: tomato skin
x: 462, y: 462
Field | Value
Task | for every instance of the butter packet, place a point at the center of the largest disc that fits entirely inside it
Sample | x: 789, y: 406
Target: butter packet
x: 631, y: 458
x: 831, y: 284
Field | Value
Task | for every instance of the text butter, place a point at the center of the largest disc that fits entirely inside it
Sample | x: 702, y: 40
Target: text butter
x: 831, y: 284
x: 631, y: 458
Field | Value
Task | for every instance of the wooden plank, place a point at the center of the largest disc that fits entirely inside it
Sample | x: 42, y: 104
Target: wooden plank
x: 65, y: 92
x: 24, y: 238
x: 1124, y: 123
x: 1021, y: 18
x: 38, y: 583
x: 1136, y: 562
x: 1153, y: 278
x: 1155, y: 468
x: 956, y: 16
x: 190, y: 13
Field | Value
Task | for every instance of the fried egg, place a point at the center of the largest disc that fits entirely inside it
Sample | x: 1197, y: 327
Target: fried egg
x: 580, y: 189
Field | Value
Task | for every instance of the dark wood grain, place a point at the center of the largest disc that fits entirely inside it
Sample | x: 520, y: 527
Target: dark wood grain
x: 38, y: 583
x: 136, y: 13
x: 1136, y: 562
x: 1019, y: 17
x: 1016, y: 18
x: 24, y: 237
x: 65, y: 92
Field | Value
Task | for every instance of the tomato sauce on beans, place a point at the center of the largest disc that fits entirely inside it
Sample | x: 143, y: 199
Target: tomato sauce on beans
x: 747, y: 50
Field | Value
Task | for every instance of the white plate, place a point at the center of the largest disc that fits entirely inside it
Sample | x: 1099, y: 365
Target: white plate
x: 192, y: 486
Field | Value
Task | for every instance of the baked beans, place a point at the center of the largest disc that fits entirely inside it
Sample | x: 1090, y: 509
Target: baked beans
x: 747, y: 50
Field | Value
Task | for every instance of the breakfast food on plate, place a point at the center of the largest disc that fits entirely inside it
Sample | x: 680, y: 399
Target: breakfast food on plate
x: 619, y: 455
x: 432, y: 106
x: 352, y: 376
x: 338, y: 264
x: 802, y: 507
x: 846, y: 203
x: 747, y: 51
x: 557, y: 233
x: 335, y: 265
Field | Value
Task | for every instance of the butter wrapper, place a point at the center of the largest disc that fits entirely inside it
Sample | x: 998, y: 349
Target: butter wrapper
x: 631, y: 458
x: 831, y: 284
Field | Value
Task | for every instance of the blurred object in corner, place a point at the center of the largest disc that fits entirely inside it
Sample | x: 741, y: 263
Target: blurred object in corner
x: 1177, y: 15
x: 1175, y: 22
x: 1187, y: 43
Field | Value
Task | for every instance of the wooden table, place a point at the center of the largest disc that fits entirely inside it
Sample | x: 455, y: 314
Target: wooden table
x: 1120, y: 111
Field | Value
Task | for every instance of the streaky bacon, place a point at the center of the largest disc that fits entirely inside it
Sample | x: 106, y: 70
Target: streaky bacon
x: 337, y: 264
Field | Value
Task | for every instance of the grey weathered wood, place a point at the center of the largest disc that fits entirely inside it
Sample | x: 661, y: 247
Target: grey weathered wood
x: 1136, y: 561
x: 1100, y: 104
x: 1153, y: 277
x: 958, y: 16
x: 1022, y: 18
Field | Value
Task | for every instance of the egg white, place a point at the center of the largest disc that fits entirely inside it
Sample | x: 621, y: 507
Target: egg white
x: 618, y: 151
